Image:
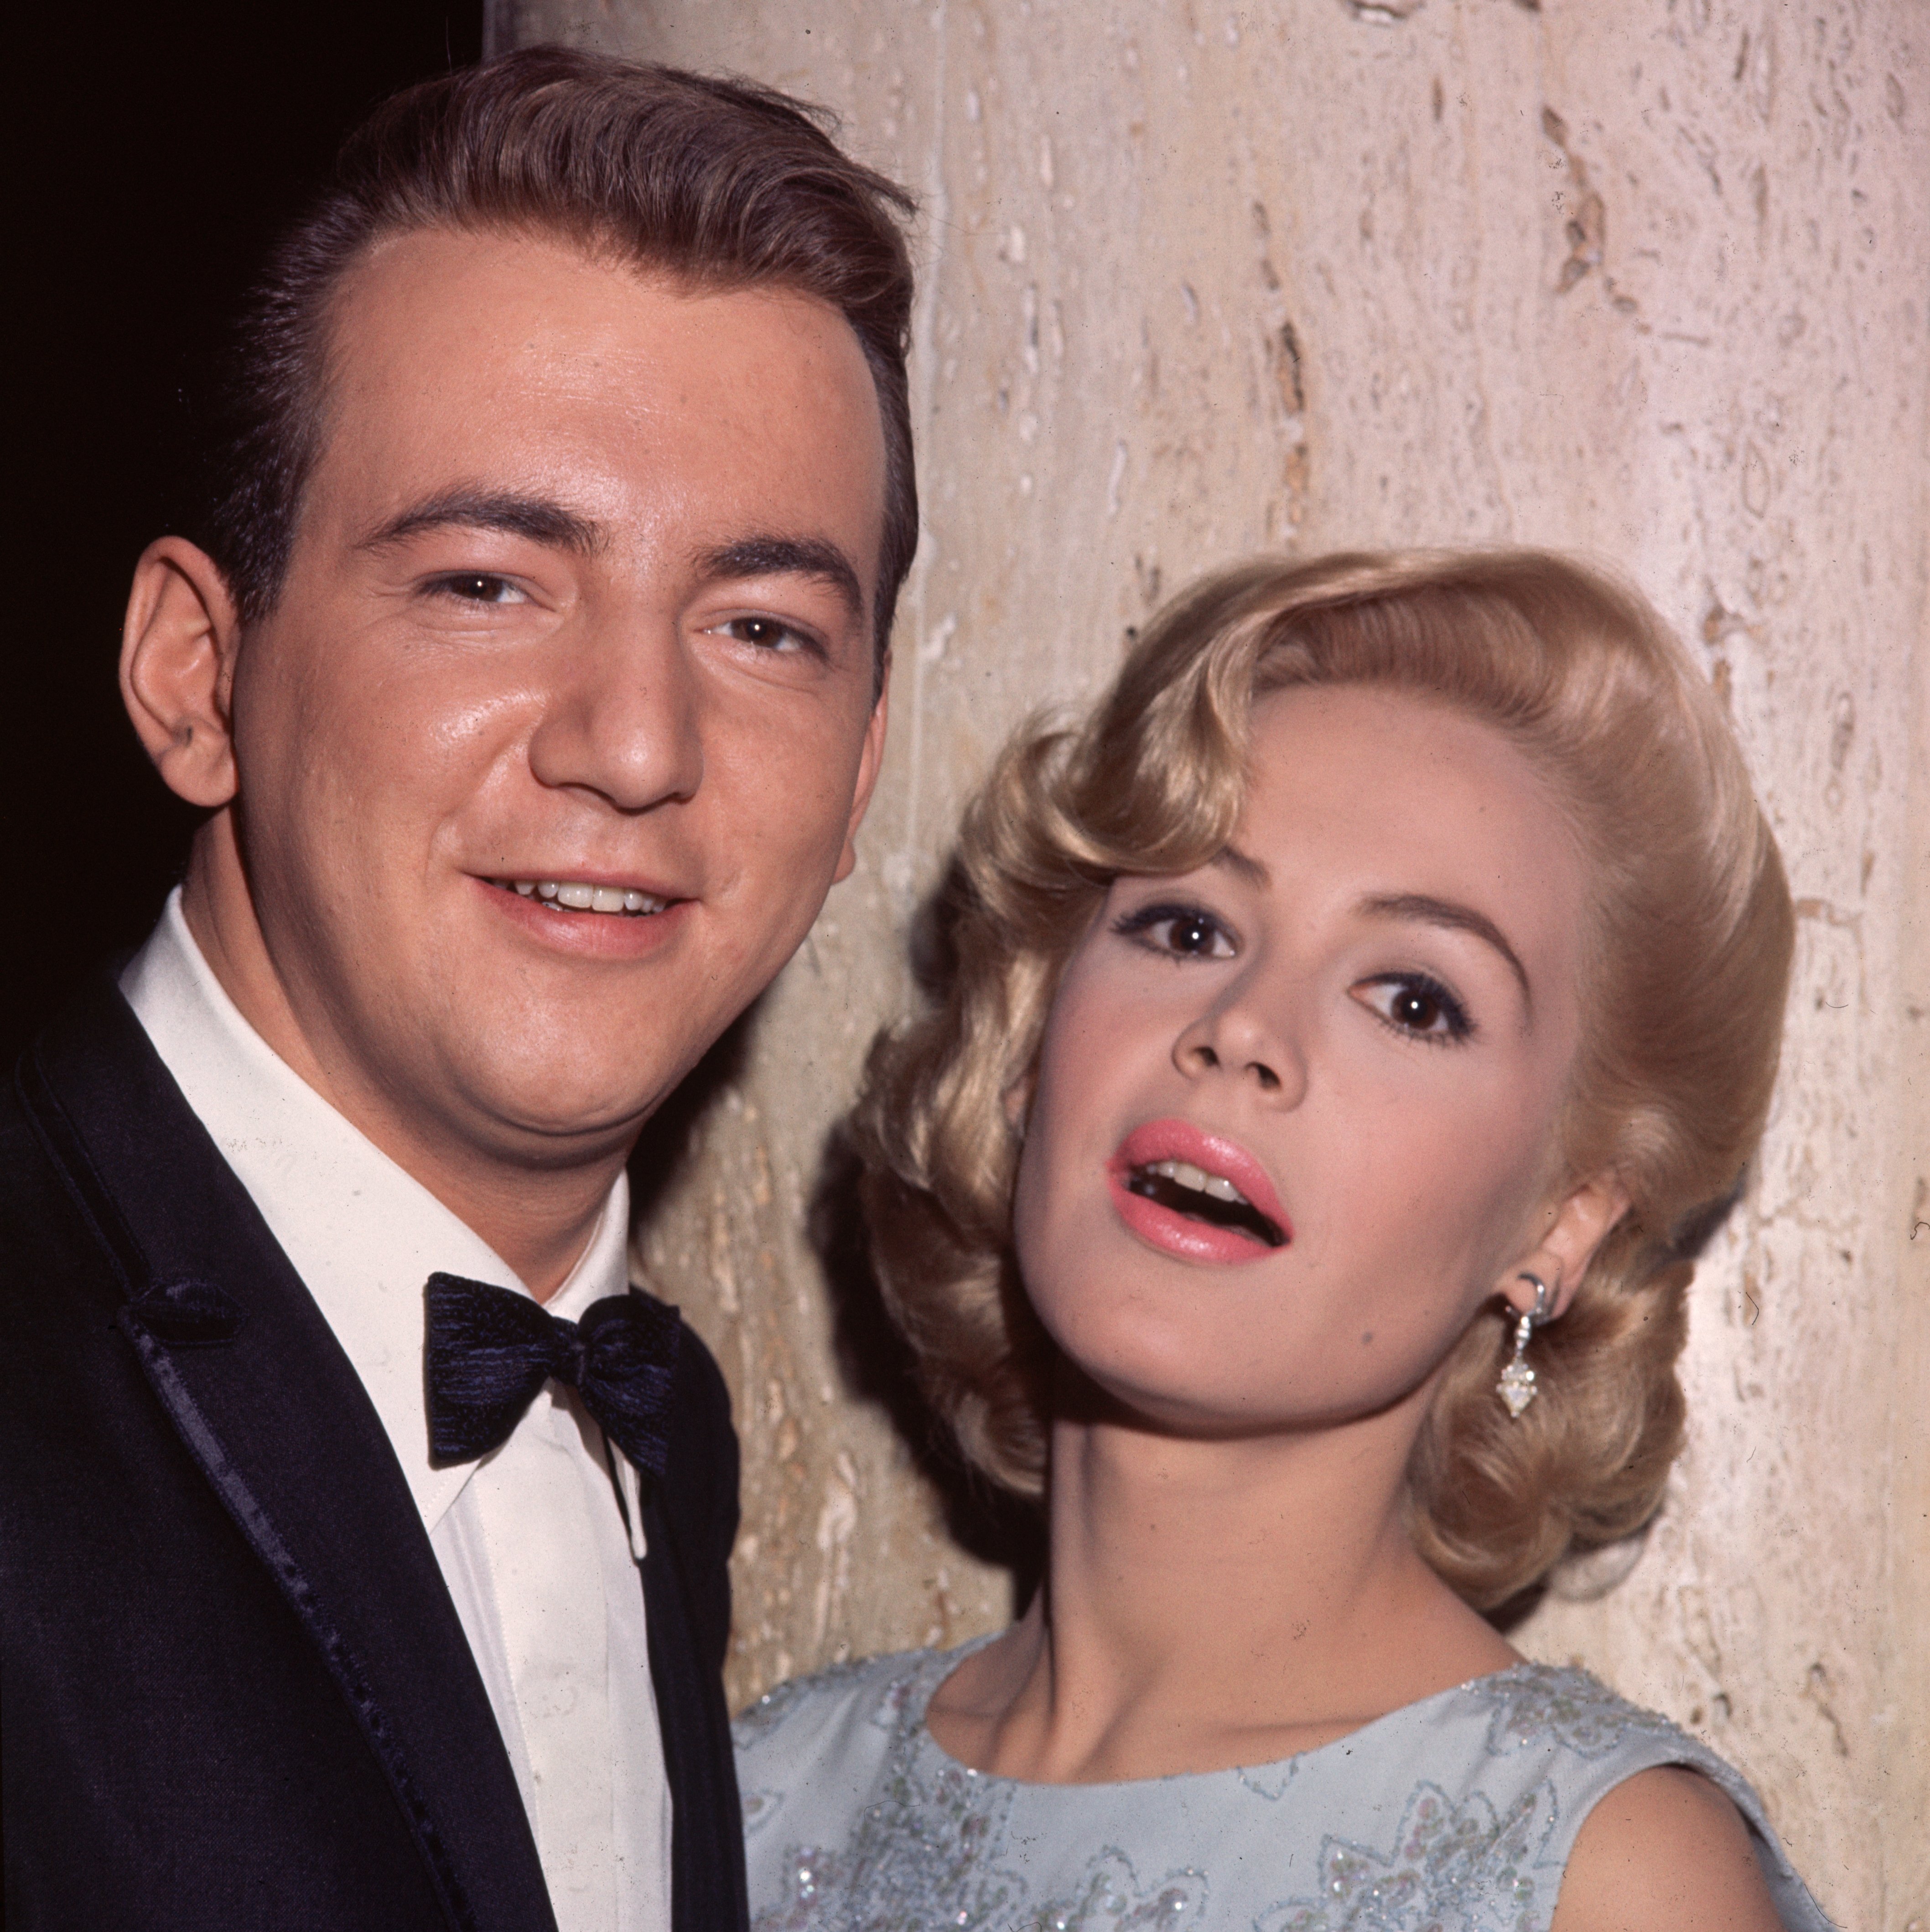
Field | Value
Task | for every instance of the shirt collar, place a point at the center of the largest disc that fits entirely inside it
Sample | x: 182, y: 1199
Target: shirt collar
x: 364, y: 1234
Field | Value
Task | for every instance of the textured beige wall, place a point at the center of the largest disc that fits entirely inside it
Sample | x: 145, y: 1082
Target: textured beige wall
x: 1644, y: 277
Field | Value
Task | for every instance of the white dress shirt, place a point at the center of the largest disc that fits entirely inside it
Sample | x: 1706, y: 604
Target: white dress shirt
x: 539, y: 1541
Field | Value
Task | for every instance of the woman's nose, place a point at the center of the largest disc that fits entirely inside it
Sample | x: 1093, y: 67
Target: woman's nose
x: 1234, y: 1036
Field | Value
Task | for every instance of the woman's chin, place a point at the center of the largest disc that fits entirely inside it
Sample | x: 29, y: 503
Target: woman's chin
x: 1195, y: 1401
x: 1156, y: 1400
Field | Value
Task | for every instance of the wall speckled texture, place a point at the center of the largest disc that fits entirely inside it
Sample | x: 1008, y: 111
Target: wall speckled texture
x: 1648, y: 281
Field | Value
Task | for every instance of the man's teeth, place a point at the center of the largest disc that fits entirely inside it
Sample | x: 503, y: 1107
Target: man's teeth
x: 587, y: 899
x: 1185, y: 1175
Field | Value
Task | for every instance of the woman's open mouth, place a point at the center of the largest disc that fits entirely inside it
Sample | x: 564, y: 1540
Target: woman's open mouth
x: 1211, y: 1198
x: 1196, y: 1195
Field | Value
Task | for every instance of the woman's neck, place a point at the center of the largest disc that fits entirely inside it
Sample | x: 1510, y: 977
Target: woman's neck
x: 1213, y: 1604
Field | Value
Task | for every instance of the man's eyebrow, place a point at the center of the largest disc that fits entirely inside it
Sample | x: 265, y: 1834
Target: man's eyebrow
x: 1457, y: 918
x: 1243, y: 865
x: 538, y: 518
x: 788, y: 556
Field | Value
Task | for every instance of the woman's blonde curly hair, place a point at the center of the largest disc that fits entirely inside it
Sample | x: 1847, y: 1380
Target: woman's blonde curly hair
x: 1685, y: 966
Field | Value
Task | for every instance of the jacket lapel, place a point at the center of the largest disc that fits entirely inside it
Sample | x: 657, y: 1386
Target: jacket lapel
x: 708, y: 1887
x: 270, y: 1408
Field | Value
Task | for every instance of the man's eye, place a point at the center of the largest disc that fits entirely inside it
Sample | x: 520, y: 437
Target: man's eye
x: 1186, y: 932
x: 478, y: 587
x: 767, y: 633
x: 1416, y: 1003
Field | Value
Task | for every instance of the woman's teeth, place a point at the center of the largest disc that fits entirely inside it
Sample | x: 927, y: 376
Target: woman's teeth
x: 1189, y: 1190
x: 1198, y: 1179
x: 586, y: 898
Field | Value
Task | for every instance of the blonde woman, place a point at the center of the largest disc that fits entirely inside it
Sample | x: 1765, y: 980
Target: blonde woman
x: 1350, y: 1026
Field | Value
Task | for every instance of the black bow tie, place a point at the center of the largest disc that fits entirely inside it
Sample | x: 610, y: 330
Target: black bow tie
x: 490, y: 1351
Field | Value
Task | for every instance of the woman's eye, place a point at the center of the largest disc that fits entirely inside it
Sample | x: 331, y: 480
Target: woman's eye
x: 1416, y: 1004
x: 1186, y: 931
x: 478, y: 587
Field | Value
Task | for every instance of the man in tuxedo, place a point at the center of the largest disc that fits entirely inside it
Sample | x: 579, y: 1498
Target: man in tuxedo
x: 363, y: 1558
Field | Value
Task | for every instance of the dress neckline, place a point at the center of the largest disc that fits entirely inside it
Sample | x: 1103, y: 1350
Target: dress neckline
x: 938, y: 1665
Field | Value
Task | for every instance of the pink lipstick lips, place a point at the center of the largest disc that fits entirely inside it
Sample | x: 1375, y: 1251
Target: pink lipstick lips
x: 1196, y: 1194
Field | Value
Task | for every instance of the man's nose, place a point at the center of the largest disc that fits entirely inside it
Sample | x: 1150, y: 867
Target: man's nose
x: 623, y: 716
x: 1246, y: 1035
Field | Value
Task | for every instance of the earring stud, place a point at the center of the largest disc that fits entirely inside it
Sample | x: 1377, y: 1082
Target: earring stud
x: 1516, y: 1385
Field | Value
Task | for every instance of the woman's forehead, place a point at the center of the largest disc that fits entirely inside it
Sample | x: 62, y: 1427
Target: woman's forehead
x: 1367, y: 754
x: 1359, y: 795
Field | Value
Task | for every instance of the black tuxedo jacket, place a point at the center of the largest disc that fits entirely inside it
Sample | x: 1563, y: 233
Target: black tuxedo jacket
x: 234, y: 1692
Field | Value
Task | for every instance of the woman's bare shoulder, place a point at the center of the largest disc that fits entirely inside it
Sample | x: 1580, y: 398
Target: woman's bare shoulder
x: 1664, y: 1851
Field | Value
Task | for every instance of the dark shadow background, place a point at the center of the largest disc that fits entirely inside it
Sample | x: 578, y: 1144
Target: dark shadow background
x: 158, y: 150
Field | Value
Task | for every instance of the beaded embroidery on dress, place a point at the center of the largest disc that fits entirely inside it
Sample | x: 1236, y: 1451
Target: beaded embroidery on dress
x: 1455, y: 1814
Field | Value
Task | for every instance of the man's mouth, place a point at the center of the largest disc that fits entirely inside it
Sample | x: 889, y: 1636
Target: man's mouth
x: 1179, y: 1186
x: 575, y: 896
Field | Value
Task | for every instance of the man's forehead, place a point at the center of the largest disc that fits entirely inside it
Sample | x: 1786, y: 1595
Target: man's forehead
x: 493, y: 363
x: 437, y: 266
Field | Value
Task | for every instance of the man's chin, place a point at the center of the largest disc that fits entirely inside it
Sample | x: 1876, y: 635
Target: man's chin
x: 543, y: 1124
x: 578, y: 1083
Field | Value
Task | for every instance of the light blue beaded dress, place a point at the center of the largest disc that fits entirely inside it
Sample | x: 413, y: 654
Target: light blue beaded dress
x: 1454, y: 1814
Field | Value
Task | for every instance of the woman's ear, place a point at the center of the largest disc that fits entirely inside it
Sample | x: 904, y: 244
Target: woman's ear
x: 1580, y: 1223
x: 1018, y: 1101
x: 178, y: 646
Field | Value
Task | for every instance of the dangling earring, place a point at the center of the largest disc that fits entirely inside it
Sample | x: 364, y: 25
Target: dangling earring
x: 1516, y: 1385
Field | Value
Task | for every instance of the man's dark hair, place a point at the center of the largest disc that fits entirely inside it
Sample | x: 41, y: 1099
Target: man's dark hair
x: 722, y: 184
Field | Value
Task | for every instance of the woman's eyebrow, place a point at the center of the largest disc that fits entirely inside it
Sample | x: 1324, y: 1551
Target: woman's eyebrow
x: 1457, y: 918
x: 1242, y: 866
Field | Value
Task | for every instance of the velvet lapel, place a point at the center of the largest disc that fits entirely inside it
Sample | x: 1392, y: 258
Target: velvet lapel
x: 265, y: 1400
x: 708, y: 1883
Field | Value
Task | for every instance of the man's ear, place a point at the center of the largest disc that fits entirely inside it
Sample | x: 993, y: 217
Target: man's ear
x: 869, y: 760
x: 177, y: 648
x: 1581, y: 1221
